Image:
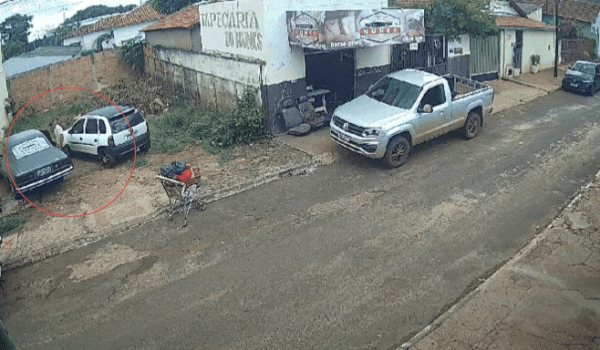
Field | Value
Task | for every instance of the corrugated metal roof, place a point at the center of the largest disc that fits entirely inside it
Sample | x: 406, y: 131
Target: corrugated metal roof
x: 15, y: 66
x: 138, y: 15
x: 53, y: 51
x: 521, y: 22
x: 580, y: 10
x: 186, y: 18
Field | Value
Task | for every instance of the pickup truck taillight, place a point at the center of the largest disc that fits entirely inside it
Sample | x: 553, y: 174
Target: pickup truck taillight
x: 111, y: 141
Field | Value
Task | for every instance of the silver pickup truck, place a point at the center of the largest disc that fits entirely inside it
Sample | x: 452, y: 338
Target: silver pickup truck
x: 409, y: 107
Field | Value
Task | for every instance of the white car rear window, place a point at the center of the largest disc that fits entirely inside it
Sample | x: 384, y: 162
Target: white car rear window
x: 30, y: 147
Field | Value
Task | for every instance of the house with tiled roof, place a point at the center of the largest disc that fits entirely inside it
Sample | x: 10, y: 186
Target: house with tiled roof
x: 112, y: 30
x: 521, y: 34
x: 585, y: 14
x: 180, y: 30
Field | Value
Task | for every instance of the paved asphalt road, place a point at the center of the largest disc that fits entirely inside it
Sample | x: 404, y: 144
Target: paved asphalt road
x: 350, y: 256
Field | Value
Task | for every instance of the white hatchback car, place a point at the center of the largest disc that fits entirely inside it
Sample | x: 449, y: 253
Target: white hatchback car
x: 105, y: 133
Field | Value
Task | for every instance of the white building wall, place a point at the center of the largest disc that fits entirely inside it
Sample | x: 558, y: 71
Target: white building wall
x: 129, y: 32
x: 540, y: 43
x: 4, y: 122
x: 233, y: 70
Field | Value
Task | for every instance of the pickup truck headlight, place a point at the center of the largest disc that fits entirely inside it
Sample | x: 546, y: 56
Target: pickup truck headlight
x: 371, y: 132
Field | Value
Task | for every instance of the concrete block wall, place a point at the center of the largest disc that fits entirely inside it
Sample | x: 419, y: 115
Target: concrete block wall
x: 91, y: 72
x: 189, y: 75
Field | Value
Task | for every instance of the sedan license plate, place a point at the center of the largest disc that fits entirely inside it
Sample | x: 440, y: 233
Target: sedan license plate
x: 574, y: 85
x: 43, y: 171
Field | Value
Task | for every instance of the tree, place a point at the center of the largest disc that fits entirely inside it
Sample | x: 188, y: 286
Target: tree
x: 170, y: 6
x: 455, y: 17
x: 12, y: 48
x: 74, y: 22
x: 16, y: 27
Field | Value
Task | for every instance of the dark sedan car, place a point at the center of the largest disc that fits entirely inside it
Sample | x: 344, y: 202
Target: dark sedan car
x: 583, y: 76
x: 33, y: 162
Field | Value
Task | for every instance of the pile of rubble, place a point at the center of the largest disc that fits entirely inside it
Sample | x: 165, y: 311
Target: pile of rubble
x: 145, y: 94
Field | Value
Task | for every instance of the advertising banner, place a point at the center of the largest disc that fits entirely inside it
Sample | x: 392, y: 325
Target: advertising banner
x: 332, y: 30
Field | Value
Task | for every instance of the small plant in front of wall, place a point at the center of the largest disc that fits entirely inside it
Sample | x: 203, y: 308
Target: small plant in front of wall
x: 535, y: 63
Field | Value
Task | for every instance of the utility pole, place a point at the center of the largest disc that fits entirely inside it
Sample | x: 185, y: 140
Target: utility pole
x: 556, y: 38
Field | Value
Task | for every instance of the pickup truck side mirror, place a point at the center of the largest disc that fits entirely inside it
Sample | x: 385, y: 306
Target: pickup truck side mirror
x: 426, y: 109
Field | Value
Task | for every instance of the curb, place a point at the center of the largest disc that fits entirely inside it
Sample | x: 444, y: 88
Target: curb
x: 507, y: 264
x: 84, y: 240
x: 552, y: 89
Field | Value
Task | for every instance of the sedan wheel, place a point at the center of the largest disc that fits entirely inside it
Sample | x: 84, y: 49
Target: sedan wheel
x: 107, y: 160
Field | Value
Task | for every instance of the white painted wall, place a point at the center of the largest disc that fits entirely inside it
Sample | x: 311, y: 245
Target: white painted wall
x: 234, y: 28
x: 537, y: 15
x: 87, y: 41
x: 129, y: 32
x: 534, y: 42
x: 229, y: 69
x: 595, y: 28
x: 4, y: 122
x: 540, y: 43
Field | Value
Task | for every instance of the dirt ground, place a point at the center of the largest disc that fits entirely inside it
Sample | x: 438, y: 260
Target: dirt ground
x: 93, y: 189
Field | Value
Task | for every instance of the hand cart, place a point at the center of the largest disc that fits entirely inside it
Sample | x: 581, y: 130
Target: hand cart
x: 181, y: 196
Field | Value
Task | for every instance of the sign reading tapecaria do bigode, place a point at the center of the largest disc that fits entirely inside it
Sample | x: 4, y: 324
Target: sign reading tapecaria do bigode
x: 330, y: 30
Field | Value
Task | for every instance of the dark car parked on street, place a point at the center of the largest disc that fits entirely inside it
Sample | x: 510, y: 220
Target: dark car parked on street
x: 33, y: 162
x: 583, y: 76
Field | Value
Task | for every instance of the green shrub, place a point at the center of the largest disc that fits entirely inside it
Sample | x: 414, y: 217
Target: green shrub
x: 12, y: 223
x: 213, y: 130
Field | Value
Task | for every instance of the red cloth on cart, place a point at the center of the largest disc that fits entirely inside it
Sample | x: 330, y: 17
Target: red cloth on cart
x: 186, y: 177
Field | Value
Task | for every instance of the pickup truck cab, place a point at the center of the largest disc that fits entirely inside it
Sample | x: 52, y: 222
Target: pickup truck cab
x: 409, y: 107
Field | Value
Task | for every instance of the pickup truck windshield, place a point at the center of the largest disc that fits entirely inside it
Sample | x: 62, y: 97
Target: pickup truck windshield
x: 395, y: 92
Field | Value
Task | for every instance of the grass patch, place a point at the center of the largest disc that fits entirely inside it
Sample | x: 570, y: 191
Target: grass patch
x: 139, y: 162
x: 214, y: 131
x: 12, y: 223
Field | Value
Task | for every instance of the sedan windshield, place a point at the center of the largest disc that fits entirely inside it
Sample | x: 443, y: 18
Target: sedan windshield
x: 585, y: 68
x: 395, y: 92
x: 30, y: 147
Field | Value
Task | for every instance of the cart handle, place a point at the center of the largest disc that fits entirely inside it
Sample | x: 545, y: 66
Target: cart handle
x: 170, y: 180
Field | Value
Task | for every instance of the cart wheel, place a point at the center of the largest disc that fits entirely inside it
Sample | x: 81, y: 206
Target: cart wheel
x: 201, y: 205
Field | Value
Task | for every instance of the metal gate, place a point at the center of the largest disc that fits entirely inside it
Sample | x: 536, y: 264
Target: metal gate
x: 576, y: 49
x: 430, y: 55
x: 485, y: 55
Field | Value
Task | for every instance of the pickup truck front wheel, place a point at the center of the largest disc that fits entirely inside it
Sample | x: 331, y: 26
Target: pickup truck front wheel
x: 397, y: 151
x: 472, y: 125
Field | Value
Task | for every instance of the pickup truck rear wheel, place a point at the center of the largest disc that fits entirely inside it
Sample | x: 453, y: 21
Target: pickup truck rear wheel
x: 472, y: 125
x: 397, y: 151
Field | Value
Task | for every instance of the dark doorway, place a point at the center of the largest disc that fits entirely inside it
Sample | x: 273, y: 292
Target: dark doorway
x: 518, y: 58
x: 333, y: 71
